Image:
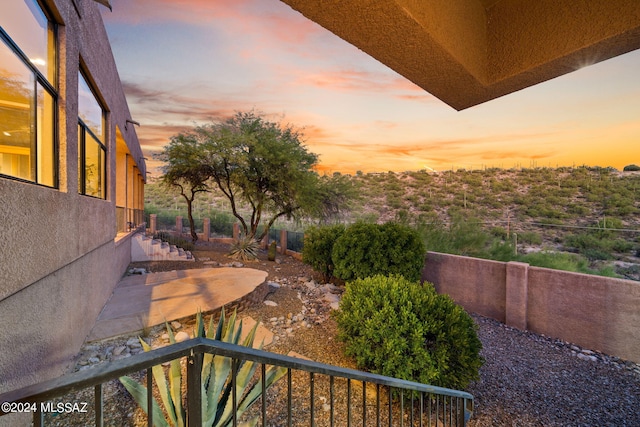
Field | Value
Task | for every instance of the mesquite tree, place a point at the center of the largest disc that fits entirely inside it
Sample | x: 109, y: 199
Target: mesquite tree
x: 261, y: 167
x: 185, y: 170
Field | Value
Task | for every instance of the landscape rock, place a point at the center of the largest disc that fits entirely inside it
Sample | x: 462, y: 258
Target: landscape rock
x: 271, y: 303
x: 182, y: 336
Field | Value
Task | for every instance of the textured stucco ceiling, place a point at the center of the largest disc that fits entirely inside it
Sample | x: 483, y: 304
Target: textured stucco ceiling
x: 466, y: 52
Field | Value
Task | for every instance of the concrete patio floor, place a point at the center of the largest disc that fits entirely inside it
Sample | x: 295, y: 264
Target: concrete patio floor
x: 141, y: 301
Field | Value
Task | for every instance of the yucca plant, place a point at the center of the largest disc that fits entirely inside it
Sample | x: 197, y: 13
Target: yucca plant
x: 217, y: 402
x: 244, y: 248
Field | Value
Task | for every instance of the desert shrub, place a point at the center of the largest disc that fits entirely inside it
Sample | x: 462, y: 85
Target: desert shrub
x: 365, y: 250
x: 244, y: 248
x: 556, y: 260
x: 530, y: 237
x: 631, y: 168
x: 397, y: 327
x: 318, y: 244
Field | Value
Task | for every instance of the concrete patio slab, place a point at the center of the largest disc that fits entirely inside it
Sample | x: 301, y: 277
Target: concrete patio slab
x: 148, y: 300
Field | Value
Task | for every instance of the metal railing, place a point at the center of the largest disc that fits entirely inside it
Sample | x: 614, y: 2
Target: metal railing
x: 405, y: 404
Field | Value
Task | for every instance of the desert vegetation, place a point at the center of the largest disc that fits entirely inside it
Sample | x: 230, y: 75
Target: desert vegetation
x: 576, y: 218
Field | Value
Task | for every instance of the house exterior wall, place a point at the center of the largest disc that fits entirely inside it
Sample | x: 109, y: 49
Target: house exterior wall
x: 594, y: 312
x: 59, y: 257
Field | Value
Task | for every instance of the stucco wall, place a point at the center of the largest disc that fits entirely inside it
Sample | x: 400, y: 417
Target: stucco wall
x: 45, y: 323
x: 59, y: 261
x: 598, y: 313
x: 476, y: 284
x: 595, y: 312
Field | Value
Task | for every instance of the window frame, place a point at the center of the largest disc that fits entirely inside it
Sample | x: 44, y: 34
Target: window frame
x: 84, y: 133
x: 41, y: 81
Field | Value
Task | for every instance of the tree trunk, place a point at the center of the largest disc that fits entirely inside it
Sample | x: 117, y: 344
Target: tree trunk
x: 192, y: 226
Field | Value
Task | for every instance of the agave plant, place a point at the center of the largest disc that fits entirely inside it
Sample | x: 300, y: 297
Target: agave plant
x: 245, y: 248
x: 217, y: 401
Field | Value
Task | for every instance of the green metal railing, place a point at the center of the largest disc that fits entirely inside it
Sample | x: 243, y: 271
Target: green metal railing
x: 423, y: 405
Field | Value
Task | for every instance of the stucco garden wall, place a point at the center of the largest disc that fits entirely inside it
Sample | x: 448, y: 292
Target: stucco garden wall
x: 594, y: 312
x: 60, y: 260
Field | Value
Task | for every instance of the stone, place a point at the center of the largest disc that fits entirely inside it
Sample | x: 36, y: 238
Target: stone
x: 326, y: 407
x: 182, y: 336
x: 176, y: 325
x: 212, y: 263
x: 335, y: 306
x: 331, y: 298
x: 204, y: 259
x: 119, y: 350
x: 237, y: 264
x: 587, y: 357
x: 271, y: 303
x: 274, y: 285
x: 94, y: 360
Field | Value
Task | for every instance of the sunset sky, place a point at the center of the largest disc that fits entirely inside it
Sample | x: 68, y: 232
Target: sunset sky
x: 188, y: 62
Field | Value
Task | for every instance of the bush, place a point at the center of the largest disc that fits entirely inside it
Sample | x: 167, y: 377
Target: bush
x: 318, y: 244
x: 365, y: 250
x: 400, y: 328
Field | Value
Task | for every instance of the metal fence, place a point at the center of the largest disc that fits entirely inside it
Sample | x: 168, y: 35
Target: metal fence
x: 350, y: 397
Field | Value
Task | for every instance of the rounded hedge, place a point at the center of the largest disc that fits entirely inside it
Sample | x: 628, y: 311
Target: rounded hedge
x: 318, y: 245
x: 399, y: 328
x: 366, y: 249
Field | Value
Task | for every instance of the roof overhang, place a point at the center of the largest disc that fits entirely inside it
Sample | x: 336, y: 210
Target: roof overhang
x: 466, y: 52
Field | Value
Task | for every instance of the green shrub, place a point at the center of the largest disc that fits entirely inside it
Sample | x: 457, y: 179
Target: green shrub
x: 396, y: 327
x: 365, y: 250
x: 318, y: 244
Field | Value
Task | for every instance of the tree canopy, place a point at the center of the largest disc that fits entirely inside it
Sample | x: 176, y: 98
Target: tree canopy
x: 261, y: 167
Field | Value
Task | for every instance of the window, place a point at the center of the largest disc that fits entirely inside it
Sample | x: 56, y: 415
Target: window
x: 27, y: 93
x: 92, y: 159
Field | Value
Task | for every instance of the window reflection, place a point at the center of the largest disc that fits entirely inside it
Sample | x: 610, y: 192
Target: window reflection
x: 17, y: 108
x: 89, y: 109
x: 27, y: 25
x: 92, y: 152
x: 27, y: 93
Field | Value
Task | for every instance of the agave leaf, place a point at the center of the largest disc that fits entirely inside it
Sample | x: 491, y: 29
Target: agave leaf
x: 248, y: 341
x: 229, y: 329
x: 221, y: 368
x: 221, y: 323
x: 272, y: 375
x: 139, y: 394
x: 243, y: 378
x: 163, y: 388
x: 175, y: 382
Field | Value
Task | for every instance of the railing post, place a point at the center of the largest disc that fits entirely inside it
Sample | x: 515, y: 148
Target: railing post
x: 206, y: 229
x: 283, y: 242
x: 194, y: 390
x: 153, y: 219
x: 179, y: 225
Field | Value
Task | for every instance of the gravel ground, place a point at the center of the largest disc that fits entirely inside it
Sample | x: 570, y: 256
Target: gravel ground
x: 527, y: 380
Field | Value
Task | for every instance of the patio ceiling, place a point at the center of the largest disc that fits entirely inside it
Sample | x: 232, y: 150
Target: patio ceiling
x: 466, y: 52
